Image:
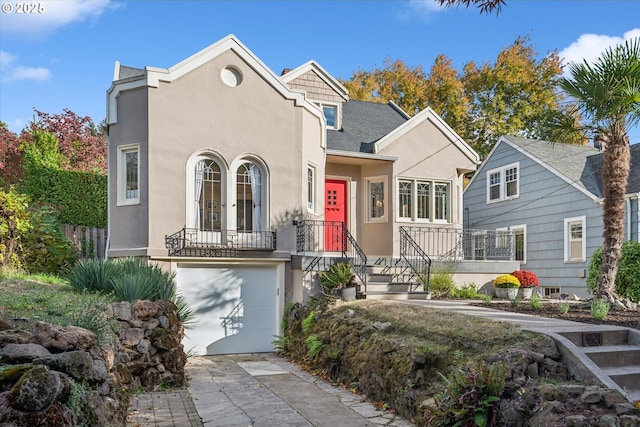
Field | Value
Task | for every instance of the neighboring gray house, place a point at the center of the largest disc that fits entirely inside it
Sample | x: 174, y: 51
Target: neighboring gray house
x: 550, y: 195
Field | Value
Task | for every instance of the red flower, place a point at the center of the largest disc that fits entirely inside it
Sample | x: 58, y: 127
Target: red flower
x: 528, y: 279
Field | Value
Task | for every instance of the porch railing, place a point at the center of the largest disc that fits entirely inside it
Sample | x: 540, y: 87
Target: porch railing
x: 467, y: 244
x: 195, y: 242
x: 314, y: 237
x: 418, y: 261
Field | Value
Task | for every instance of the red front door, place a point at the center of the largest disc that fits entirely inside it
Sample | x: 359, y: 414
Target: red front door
x: 335, y: 211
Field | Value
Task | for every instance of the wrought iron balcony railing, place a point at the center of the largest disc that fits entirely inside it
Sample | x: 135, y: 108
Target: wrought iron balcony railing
x: 218, y: 243
x: 451, y: 243
x: 322, y: 237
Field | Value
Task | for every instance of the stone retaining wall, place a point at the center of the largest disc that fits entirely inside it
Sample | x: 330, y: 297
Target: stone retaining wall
x: 61, y: 376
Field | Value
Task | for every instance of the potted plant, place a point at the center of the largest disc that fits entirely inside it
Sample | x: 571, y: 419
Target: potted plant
x: 338, y: 280
x: 528, y: 281
x: 506, y: 286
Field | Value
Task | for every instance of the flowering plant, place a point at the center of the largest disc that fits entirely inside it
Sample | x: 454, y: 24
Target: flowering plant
x: 506, y: 281
x: 528, y: 279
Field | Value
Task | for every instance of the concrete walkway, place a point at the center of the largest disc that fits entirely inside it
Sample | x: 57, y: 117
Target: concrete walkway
x: 265, y: 390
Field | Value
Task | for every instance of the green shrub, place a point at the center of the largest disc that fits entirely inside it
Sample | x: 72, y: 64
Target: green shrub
x: 93, y: 275
x: 45, y: 248
x: 628, y: 278
x: 129, y: 279
x: 14, y: 224
x: 336, y: 277
x: 307, y: 322
x: 133, y: 286
x: 467, y: 291
x: 535, y: 302
x: 469, y: 397
x: 599, y: 309
x: 563, y: 307
x: 314, y: 346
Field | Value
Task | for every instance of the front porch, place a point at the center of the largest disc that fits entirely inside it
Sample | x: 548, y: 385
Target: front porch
x: 477, y: 256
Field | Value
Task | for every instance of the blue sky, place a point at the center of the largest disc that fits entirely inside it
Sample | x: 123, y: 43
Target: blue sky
x: 64, y: 56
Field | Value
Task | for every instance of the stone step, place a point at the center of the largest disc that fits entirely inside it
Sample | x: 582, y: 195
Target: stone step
x: 597, y: 338
x: 614, y: 355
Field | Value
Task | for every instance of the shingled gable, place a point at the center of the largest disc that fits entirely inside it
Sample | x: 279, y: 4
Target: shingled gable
x: 428, y: 115
x: 126, y: 78
x: 314, y: 67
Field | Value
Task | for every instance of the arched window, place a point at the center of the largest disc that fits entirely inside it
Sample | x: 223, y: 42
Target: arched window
x: 207, y: 196
x: 249, y: 197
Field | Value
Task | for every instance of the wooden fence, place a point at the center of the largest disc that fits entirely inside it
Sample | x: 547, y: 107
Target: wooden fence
x: 91, y: 242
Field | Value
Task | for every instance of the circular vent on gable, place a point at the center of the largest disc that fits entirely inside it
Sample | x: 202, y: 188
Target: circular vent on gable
x: 231, y: 76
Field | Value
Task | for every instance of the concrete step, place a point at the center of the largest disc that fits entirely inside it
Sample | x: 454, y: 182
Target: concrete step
x: 628, y: 382
x: 614, y: 355
x: 373, y: 295
x: 597, y: 338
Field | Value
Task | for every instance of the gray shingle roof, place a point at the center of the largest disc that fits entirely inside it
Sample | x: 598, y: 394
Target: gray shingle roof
x: 580, y: 164
x: 364, y: 123
x: 130, y: 72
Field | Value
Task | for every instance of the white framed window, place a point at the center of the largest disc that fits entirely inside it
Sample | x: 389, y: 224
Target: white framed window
x: 331, y: 112
x: 207, y: 193
x: 376, y: 197
x: 128, y: 175
x: 575, y: 244
x: 424, y: 200
x: 311, y: 188
x: 520, y: 237
x: 503, y: 183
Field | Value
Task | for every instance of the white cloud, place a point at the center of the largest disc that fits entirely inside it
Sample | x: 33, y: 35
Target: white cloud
x: 589, y: 47
x: 29, y: 73
x: 55, y: 14
x: 424, y: 9
x: 6, y: 59
x: 11, y: 72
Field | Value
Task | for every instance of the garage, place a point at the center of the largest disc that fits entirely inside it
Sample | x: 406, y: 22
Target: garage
x: 236, y: 307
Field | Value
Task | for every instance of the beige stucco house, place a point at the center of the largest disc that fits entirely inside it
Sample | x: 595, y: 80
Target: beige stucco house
x: 245, y: 182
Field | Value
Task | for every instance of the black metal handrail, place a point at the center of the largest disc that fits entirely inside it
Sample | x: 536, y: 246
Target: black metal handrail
x: 416, y: 258
x: 320, y: 237
x: 192, y: 241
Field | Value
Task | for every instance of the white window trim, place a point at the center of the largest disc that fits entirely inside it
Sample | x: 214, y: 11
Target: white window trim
x: 311, y: 206
x: 522, y: 227
x: 367, y: 208
x: 503, y: 187
x: 122, y: 199
x: 338, y: 118
x: 567, y: 243
x: 432, y: 200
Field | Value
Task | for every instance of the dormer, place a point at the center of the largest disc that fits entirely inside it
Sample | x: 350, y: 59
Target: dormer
x: 321, y: 88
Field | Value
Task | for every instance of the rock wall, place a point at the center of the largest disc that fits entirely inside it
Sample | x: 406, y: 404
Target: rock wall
x: 60, y: 376
x: 356, y: 352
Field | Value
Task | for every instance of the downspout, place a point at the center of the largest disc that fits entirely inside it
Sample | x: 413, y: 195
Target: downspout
x: 628, y: 218
x: 106, y: 249
x: 638, y: 215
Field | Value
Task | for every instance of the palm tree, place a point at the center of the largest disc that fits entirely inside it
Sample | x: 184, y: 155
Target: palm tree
x: 607, y: 95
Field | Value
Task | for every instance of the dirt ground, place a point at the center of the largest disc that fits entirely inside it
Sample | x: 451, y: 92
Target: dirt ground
x: 578, y: 312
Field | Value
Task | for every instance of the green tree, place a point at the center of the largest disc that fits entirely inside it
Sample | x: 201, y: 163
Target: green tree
x: 516, y: 95
x: 14, y: 223
x: 513, y: 96
x: 607, y: 95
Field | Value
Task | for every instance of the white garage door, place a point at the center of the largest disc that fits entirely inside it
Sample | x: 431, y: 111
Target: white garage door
x: 236, y: 308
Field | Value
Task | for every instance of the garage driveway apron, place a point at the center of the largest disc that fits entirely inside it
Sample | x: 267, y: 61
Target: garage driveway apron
x: 265, y: 390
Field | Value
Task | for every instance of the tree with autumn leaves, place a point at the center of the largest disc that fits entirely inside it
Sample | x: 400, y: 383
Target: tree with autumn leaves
x: 516, y: 95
